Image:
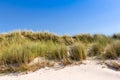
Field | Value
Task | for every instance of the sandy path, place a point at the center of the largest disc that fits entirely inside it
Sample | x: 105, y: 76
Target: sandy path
x: 90, y: 71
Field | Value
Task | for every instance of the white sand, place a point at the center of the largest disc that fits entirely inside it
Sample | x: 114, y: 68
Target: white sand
x: 90, y: 71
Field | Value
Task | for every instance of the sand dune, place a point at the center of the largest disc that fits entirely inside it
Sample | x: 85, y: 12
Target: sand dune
x: 89, y: 71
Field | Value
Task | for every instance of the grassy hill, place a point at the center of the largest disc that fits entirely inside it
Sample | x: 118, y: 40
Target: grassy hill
x: 18, y: 49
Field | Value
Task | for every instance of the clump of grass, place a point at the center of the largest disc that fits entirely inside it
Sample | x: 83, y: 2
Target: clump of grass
x: 112, y: 51
x: 86, y: 38
x: 96, y: 49
x: 41, y: 36
x: 17, y: 53
x: 109, y: 53
x: 24, y: 53
x: 67, y: 39
x: 102, y: 39
x: 56, y: 51
x: 77, y: 52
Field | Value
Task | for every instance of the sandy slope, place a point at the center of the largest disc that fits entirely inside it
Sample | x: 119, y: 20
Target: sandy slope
x: 90, y: 71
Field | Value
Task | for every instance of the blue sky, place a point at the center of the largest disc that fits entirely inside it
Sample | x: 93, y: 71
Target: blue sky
x: 61, y: 16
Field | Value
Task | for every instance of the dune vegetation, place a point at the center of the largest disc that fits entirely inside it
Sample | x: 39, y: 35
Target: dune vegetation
x: 19, y: 48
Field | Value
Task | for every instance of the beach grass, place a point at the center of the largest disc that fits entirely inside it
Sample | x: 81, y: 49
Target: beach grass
x: 19, y: 48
